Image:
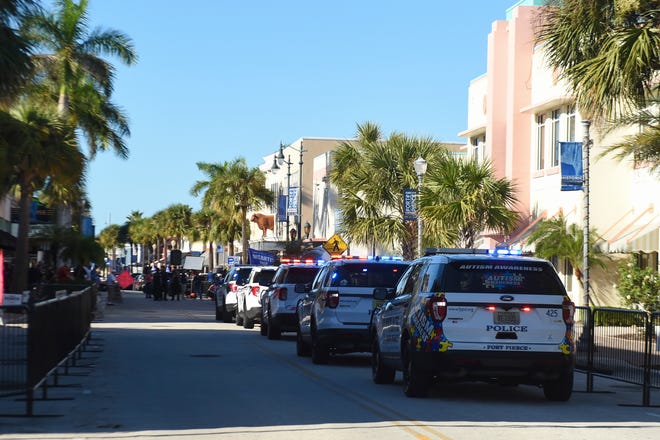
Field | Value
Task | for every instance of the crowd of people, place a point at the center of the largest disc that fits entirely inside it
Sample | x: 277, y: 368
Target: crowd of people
x: 163, y: 283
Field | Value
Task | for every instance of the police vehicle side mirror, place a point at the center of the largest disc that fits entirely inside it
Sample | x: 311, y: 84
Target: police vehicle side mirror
x: 383, y: 293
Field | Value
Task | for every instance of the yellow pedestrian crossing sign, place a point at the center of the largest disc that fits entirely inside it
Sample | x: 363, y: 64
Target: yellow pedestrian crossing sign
x: 335, y: 245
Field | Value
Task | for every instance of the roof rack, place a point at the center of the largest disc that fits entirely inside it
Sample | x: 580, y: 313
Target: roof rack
x: 435, y: 251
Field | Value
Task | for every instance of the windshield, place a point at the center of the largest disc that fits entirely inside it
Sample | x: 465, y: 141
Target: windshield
x: 367, y: 275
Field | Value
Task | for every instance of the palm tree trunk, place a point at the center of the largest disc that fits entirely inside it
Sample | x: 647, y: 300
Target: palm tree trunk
x: 19, y: 276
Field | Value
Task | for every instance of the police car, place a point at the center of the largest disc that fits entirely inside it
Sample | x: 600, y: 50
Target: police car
x: 472, y: 315
x: 278, y: 306
x: 334, y: 317
x: 248, y: 296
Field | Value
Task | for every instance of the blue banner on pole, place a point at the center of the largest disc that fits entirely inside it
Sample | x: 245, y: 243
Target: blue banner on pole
x: 572, y: 176
x: 292, y: 202
x: 409, y: 204
x: 261, y: 258
x: 281, y: 208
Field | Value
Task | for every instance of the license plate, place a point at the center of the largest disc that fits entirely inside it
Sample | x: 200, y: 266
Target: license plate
x: 511, y: 318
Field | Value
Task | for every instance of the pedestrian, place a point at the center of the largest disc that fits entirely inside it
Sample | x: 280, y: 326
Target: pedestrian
x: 175, y: 286
x: 157, y: 284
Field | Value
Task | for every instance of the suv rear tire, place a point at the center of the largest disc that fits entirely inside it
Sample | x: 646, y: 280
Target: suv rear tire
x: 320, y: 352
x: 247, y: 322
x: 302, y: 349
x: 273, y: 330
x: 415, y: 382
x: 226, y: 316
x: 560, y: 389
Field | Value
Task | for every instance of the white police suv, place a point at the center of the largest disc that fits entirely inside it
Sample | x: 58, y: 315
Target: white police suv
x: 278, y: 306
x: 334, y: 317
x: 248, y: 296
x: 470, y: 315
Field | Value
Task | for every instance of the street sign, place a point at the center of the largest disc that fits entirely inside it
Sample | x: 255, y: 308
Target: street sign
x: 335, y: 245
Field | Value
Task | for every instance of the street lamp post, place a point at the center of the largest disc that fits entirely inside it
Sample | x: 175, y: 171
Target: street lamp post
x: 277, y: 160
x: 585, y: 202
x: 420, y: 169
x: 280, y: 159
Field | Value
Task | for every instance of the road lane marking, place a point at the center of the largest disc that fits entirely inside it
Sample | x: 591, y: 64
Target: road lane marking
x: 365, y: 402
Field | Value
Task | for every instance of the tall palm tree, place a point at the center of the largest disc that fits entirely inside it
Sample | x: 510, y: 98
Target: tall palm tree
x: 370, y: 175
x: 233, y: 187
x: 108, y: 238
x: 74, y: 50
x: 609, y: 54
x: 177, y: 221
x: 201, y: 228
x: 15, y: 62
x: 44, y: 150
x: 463, y: 198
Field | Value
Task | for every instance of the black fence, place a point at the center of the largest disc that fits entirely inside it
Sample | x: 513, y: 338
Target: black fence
x: 40, y: 337
x: 619, y: 344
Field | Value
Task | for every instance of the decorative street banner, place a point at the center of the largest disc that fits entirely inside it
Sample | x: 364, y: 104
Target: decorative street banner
x: 409, y: 204
x: 261, y: 258
x: 281, y: 208
x: 571, y: 166
x: 292, y: 203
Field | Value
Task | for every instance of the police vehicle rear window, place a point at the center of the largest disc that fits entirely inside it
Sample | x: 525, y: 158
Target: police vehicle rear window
x: 367, y: 275
x: 297, y: 275
x: 509, y: 277
x: 264, y: 276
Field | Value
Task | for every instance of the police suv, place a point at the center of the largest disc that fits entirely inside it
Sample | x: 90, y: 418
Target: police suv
x: 334, y: 317
x: 278, y: 306
x: 471, y: 315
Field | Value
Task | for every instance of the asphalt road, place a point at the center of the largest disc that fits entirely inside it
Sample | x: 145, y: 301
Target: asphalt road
x: 168, y: 370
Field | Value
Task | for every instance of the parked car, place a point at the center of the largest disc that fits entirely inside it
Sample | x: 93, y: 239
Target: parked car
x: 467, y: 315
x: 248, y: 296
x: 333, y: 318
x: 278, y: 305
x: 225, y: 295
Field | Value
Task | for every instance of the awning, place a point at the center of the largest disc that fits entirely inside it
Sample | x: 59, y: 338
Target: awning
x: 641, y: 237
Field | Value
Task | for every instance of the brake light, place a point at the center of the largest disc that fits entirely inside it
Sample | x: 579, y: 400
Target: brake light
x: 332, y: 299
x: 254, y: 290
x: 437, y: 307
x: 525, y: 309
x: 232, y: 286
x: 491, y: 308
x: 282, y: 293
x: 568, y: 311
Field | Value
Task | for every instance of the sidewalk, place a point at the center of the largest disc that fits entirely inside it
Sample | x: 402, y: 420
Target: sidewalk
x: 85, y: 399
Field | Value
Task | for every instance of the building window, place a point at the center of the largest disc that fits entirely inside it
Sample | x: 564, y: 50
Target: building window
x: 540, y: 142
x: 555, y: 138
x: 478, y: 147
x: 570, y: 123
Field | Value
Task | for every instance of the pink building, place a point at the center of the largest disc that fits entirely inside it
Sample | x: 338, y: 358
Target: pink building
x: 518, y: 112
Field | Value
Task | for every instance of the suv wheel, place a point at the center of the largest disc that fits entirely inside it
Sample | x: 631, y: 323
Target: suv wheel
x: 239, y: 317
x: 415, y: 382
x: 247, y: 322
x: 560, y: 389
x: 379, y: 372
x: 320, y: 353
x: 218, y: 313
x: 273, y: 330
x: 302, y: 349
x: 226, y: 316
x: 263, y: 327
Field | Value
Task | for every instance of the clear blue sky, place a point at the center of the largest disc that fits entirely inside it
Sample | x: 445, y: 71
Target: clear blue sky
x: 220, y: 79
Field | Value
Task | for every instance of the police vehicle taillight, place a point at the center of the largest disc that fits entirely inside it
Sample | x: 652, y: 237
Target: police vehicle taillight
x: 254, y: 290
x: 437, y: 306
x: 282, y: 294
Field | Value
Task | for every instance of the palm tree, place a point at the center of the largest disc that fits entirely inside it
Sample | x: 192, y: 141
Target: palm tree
x: 109, y: 239
x: 15, y: 62
x: 609, y: 54
x: 177, y: 221
x: 370, y: 175
x: 462, y: 198
x: 231, y: 189
x: 44, y: 149
x: 73, y: 62
x: 201, y: 228
x: 555, y: 238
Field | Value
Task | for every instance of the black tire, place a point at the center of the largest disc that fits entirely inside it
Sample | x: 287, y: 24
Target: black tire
x: 239, y: 317
x: 247, y: 322
x: 380, y: 373
x: 263, y: 327
x: 218, y: 313
x: 302, y: 349
x: 416, y: 383
x: 273, y: 331
x: 320, y: 351
x: 226, y: 316
x: 559, y: 390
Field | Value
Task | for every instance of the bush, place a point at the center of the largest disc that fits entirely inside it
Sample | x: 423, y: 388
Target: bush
x: 639, y: 287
